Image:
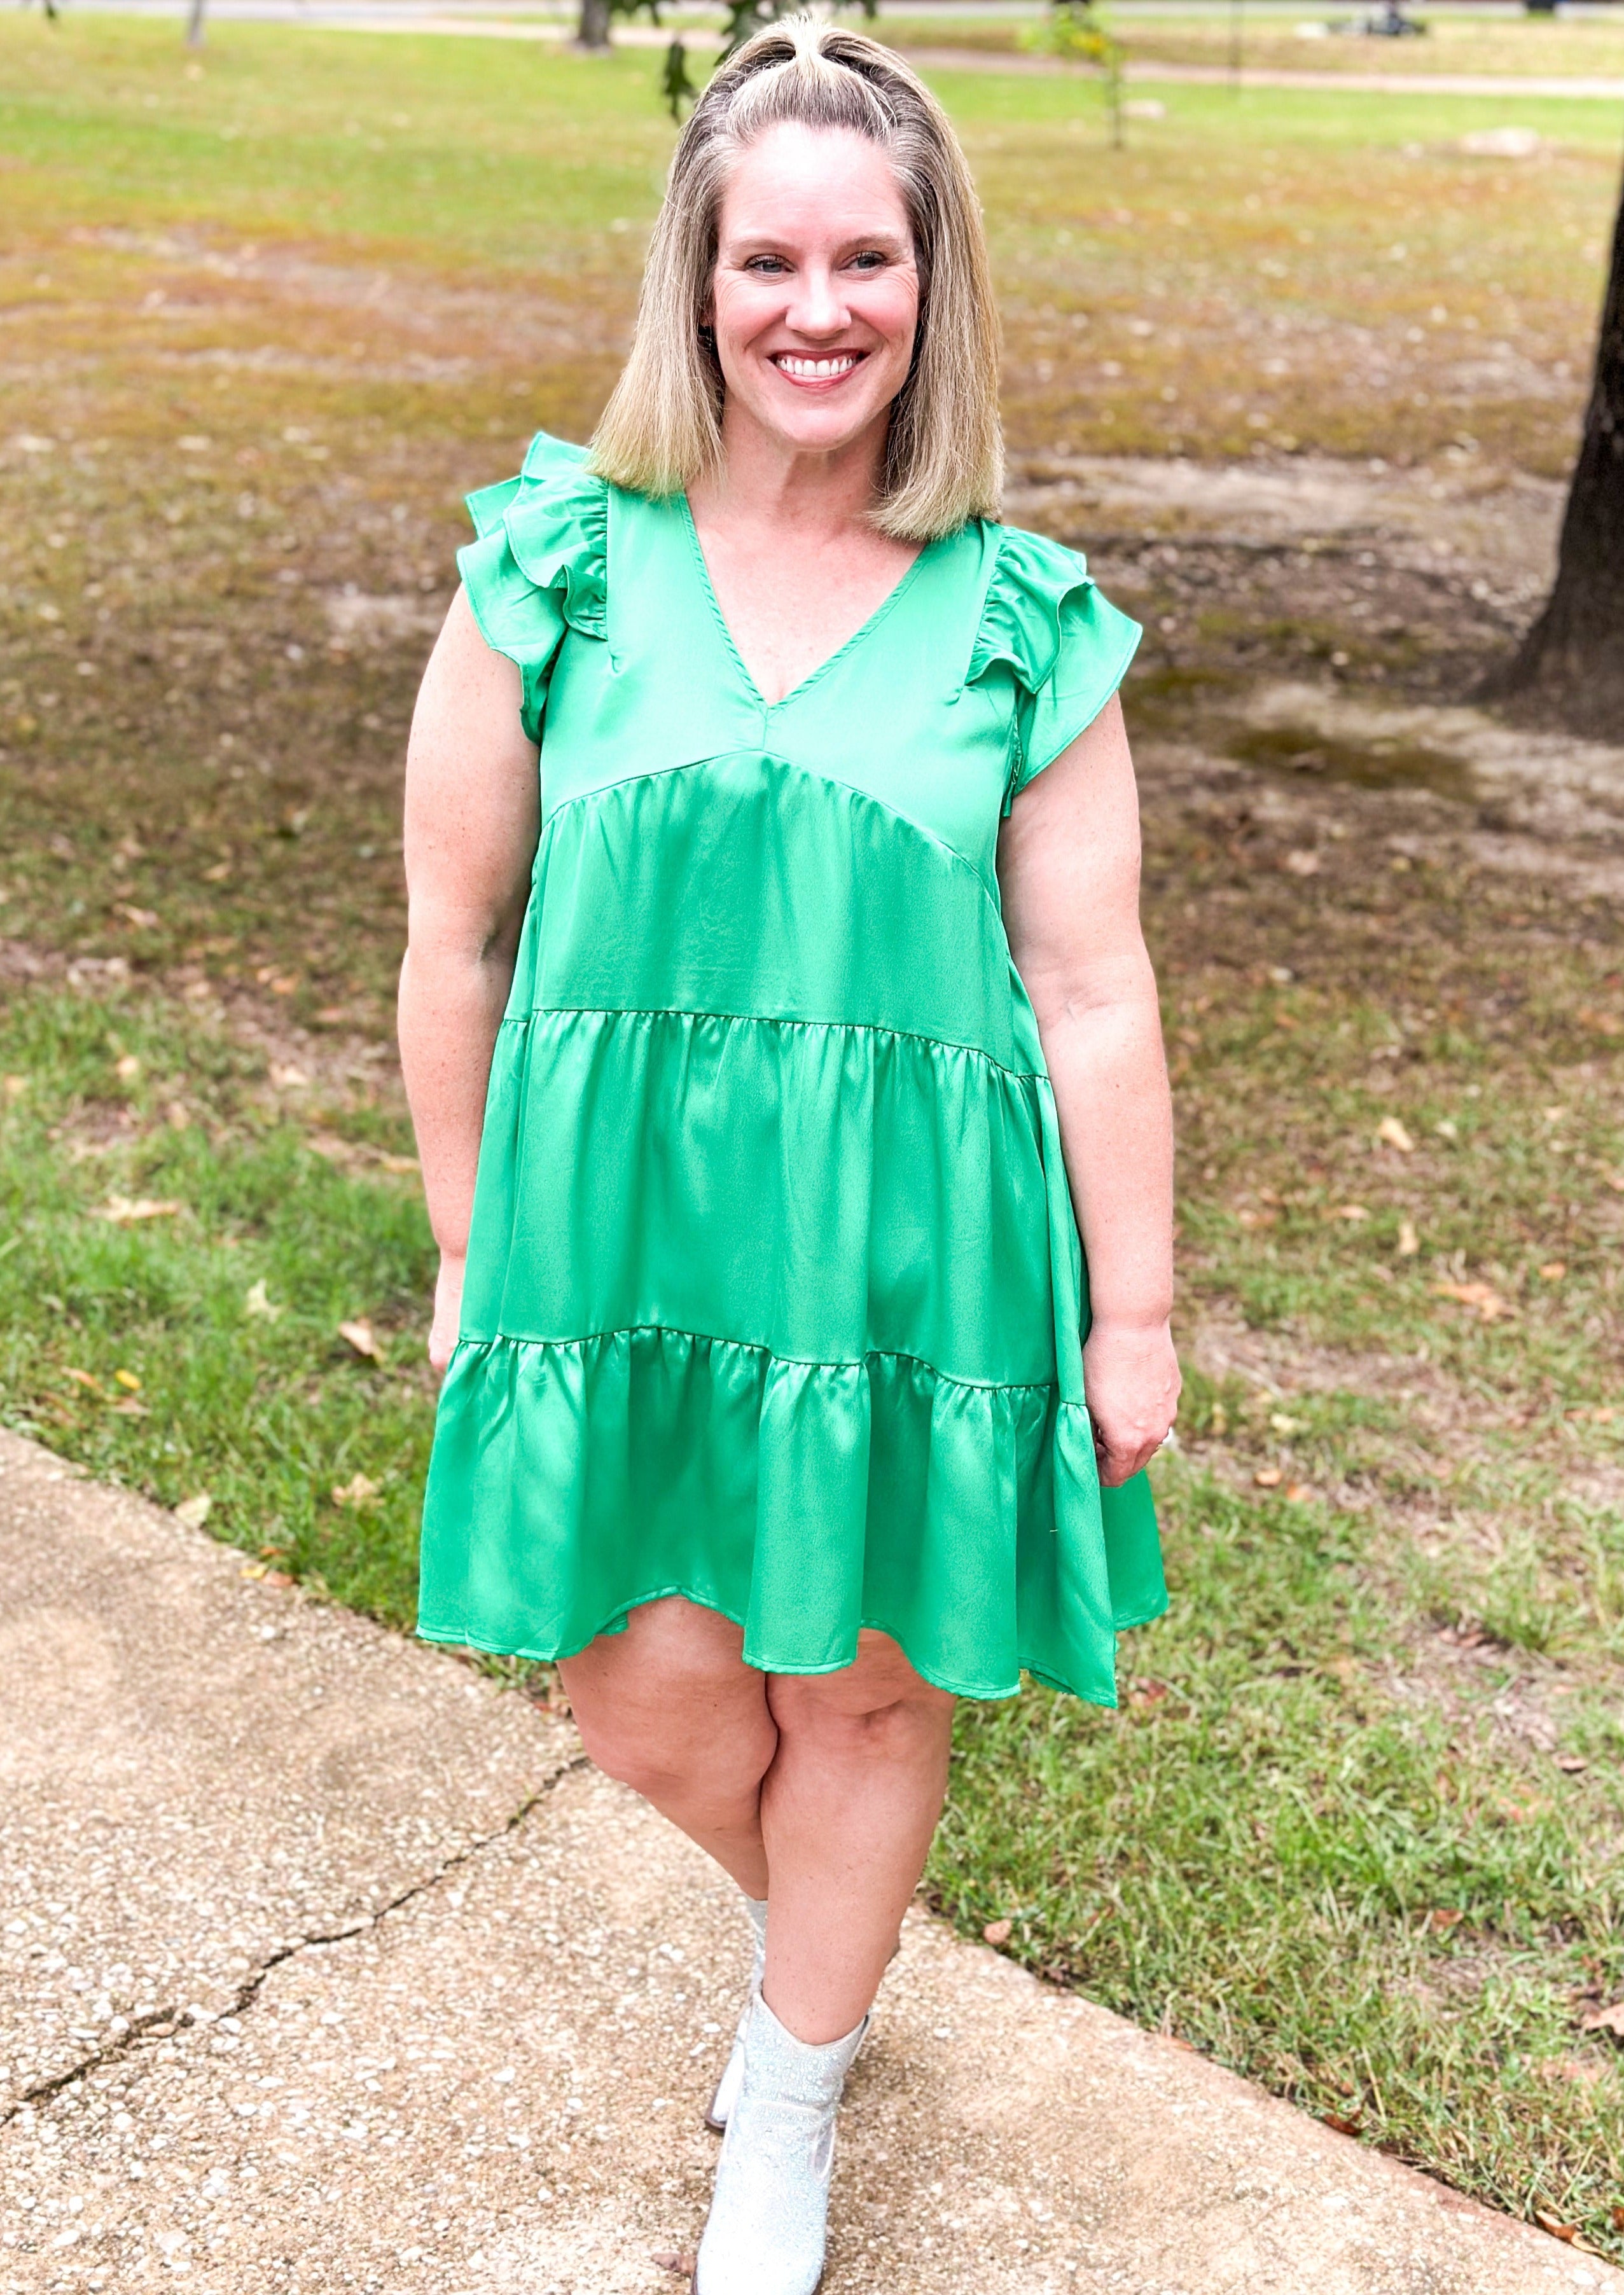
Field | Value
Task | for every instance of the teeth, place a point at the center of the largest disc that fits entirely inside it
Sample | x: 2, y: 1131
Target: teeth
x: 816, y: 369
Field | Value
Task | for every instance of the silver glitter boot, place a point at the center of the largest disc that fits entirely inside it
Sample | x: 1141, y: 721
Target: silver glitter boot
x: 766, y: 2229
x: 733, y: 2070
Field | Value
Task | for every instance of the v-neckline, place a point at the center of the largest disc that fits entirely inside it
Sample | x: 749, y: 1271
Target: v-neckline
x: 847, y: 645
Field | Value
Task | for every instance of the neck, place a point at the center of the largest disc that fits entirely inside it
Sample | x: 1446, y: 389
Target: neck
x: 763, y: 481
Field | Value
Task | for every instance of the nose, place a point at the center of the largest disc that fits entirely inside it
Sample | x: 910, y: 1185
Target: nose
x: 818, y: 308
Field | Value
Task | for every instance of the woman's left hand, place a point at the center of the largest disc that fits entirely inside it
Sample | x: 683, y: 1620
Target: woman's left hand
x: 1131, y: 1373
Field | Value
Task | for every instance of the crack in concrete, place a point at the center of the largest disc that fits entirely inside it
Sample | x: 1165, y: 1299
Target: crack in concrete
x: 177, y: 2019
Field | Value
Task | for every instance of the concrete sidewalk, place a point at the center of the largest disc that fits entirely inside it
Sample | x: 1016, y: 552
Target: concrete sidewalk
x: 324, y: 1965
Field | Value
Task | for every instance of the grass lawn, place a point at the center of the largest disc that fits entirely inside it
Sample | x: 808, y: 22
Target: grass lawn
x: 1356, y: 1830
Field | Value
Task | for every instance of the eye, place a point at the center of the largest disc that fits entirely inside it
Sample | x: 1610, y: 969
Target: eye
x: 767, y: 266
x: 869, y: 259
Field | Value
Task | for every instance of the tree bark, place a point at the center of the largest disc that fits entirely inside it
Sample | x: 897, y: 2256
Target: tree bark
x: 195, y: 24
x: 1574, y: 657
x: 593, y: 30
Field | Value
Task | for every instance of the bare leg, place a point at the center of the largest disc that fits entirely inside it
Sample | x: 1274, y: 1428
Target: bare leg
x: 847, y: 1810
x: 671, y: 1709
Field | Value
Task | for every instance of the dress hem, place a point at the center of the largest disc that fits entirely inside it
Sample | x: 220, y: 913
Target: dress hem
x: 445, y: 1637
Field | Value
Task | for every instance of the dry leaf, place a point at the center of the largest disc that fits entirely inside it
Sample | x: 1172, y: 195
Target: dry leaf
x: 83, y: 1379
x: 1605, y: 1023
x: 1445, y: 1918
x: 998, y: 1932
x: 1344, y: 2123
x: 1301, y: 1493
x: 129, y: 1408
x: 1410, y: 1242
x: 146, y: 918
x: 1354, y: 1212
x: 256, y: 1301
x: 359, y: 1335
x: 1605, y: 2020
x: 1481, y: 1297
x: 124, y: 1210
x: 15, y: 1086
x: 1299, y: 863
x: 359, y: 1492
x: 666, y: 2258
x: 194, y: 1512
x: 1573, y: 1764
x: 399, y: 1163
x: 1268, y: 1478
x: 1394, y: 1132
x: 1554, y: 2225
x: 128, y: 1380
x: 288, y: 1077
x: 1553, y: 1270
x: 126, y: 1069
x: 1282, y: 1425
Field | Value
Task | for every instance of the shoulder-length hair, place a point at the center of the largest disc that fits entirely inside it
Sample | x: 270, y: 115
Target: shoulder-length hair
x: 662, y: 428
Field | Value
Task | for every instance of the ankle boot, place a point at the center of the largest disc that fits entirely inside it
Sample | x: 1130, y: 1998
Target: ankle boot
x: 727, y: 2088
x: 767, y: 2226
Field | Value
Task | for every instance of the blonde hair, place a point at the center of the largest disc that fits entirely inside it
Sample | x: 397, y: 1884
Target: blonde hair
x: 662, y: 428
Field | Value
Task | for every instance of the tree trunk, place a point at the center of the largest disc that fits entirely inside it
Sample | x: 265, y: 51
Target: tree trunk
x: 593, y: 31
x: 195, y: 24
x: 1574, y: 654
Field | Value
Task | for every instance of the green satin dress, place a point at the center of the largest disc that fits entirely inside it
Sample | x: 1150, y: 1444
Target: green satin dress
x: 775, y: 1298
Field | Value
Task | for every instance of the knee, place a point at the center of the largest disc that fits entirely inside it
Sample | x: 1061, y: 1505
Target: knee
x: 665, y: 1767
x: 883, y: 1724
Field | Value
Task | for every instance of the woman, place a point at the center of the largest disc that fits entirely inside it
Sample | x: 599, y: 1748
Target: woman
x: 763, y: 1318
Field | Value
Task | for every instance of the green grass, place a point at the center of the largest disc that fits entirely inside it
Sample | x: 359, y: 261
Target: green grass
x: 198, y: 1352
x: 1328, y: 1838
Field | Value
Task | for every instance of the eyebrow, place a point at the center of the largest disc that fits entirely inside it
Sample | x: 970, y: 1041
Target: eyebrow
x: 766, y: 242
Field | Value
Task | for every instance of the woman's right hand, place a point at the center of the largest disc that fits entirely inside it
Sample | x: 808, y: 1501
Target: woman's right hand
x: 448, y: 1309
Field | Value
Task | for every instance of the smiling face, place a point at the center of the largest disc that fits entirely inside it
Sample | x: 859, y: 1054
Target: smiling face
x: 816, y: 295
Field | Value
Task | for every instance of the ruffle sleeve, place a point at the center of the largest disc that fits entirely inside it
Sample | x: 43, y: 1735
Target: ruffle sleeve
x: 1066, y: 647
x: 540, y: 565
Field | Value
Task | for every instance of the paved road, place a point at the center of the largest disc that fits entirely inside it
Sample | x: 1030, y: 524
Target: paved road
x: 326, y: 1965
x: 496, y: 24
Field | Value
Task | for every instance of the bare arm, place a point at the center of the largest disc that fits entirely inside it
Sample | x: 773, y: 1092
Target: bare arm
x: 1069, y: 870
x: 473, y: 809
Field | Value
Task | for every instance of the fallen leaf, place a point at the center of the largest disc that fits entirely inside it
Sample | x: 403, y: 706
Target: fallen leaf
x: 1604, y: 1024
x: 1410, y: 1242
x: 359, y: 1335
x: 1344, y: 2123
x: 1605, y: 2020
x: 256, y: 1301
x: 399, y: 1163
x: 1444, y: 1917
x: 1354, y: 1212
x: 1481, y: 1297
x: 359, y: 1492
x: 1555, y: 2226
x: 1394, y: 1132
x: 15, y: 1086
x: 1300, y: 864
x: 1282, y: 1425
x: 129, y: 1408
x: 288, y: 1077
x: 194, y: 1512
x: 126, y: 1069
x: 666, y: 2258
x: 127, y: 1378
x: 1574, y: 1764
x: 1553, y: 1270
x: 124, y: 1210
x: 1301, y: 1493
x: 998, y: 1932
x: 1268, y: 1478
x: 83, y: 1379
x: 144, y: 918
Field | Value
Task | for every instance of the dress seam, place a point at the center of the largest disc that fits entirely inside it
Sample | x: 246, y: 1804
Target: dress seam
x: 785, y: 765
x: 754, y: 1347
x: 771, y: 1020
